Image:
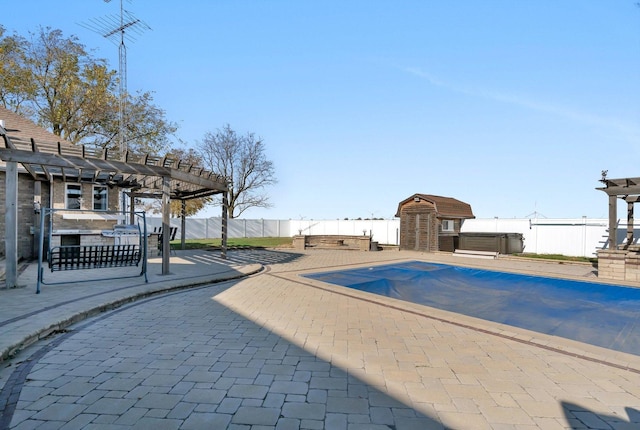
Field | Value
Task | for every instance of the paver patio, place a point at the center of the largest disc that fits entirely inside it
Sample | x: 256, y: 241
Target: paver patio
x: 275, y: 350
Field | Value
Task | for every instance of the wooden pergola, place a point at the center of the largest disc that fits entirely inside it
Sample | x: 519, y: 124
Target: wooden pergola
x: 627, y: 189
x: 138, y: 176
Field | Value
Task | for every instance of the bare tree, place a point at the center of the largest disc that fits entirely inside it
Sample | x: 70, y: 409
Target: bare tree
x: 241, y: 159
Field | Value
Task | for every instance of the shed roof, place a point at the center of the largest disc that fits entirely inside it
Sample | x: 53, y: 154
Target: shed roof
x: 445, y: 206
x: 46, y: 156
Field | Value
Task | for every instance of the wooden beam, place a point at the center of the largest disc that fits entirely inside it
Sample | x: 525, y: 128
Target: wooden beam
x: 620, y: 187
x: 34, y: 148
x: 27, y: 167
x: 75, y: 162
x: 197, y: 180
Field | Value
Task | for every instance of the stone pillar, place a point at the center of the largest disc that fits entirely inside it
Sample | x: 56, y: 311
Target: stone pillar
x: 299, y: 242
x: 611, y: 264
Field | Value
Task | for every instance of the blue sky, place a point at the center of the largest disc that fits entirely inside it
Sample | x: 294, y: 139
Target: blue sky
x: 514, y: 107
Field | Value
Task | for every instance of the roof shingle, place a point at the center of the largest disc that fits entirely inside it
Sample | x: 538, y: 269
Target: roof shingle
x: 445, y: 206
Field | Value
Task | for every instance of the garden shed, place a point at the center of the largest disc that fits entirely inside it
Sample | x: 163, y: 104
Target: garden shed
x: 431, y: 223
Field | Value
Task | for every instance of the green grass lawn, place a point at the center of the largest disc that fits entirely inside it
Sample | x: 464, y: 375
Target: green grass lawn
x: 559, y: 257
x: 246, y: 242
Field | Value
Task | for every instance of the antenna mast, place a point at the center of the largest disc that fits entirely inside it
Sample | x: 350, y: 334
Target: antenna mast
x: 111, y: 27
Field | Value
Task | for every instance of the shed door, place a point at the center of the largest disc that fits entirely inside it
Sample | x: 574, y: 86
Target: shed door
x: 416, y: 232
x: 423, y: 232
x: 408, y: 231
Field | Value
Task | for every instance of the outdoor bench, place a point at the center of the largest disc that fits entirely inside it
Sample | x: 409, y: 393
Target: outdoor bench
x: 76, y: 257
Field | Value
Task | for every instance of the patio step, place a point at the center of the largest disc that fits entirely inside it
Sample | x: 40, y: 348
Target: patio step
x: 476, y: 254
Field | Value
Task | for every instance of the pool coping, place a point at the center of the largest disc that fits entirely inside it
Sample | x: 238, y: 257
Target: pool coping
x: 608, y: 357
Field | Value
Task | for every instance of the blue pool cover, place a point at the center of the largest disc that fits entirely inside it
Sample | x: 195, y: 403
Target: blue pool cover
x: 598, y: 314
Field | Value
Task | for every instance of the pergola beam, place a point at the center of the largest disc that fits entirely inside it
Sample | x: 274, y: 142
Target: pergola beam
x: 620, y: 187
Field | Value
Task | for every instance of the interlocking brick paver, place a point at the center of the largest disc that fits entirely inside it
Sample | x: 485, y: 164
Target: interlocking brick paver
x: 256, y: 416
x: 131, y: 417
x: 59, y: 412
x: 110, y: 406
x: 197, y: 395
x: 248, y: 391
x: 289, y: 387
x: 163, y: 401
x: 312, y: 424
x: 349, y: 405
x: 303, y: 410
x: 198, y: 421
x: 288, y: 424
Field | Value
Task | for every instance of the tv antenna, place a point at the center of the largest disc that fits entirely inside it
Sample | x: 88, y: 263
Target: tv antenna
x: 120, y: 28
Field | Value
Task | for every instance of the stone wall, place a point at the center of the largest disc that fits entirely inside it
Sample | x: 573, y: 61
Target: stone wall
x: 70, y: 223
x: 619, y: 265
x: 361, y: 243
x: 27, y: 218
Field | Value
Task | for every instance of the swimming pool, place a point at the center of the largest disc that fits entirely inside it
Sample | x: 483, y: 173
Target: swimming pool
x: 598, y: 314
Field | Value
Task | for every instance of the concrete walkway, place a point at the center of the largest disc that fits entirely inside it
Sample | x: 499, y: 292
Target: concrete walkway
x: 249, y: 344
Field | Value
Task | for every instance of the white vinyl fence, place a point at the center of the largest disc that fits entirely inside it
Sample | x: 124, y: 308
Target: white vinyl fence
x: 580, y: 237
x: 211, y: 228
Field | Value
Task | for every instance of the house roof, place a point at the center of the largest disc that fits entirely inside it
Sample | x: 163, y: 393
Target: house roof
x: 445, y: 206
x: 22, y: 130
x: 45, y: 156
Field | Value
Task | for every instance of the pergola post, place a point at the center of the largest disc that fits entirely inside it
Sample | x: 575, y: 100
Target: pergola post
x: 132, y: 208
x: 11, y: 225
x: 613, y: 221
x: 37, y: 208
x: 629, y: 224
x: 183, y: 223
x: 166, y: 216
